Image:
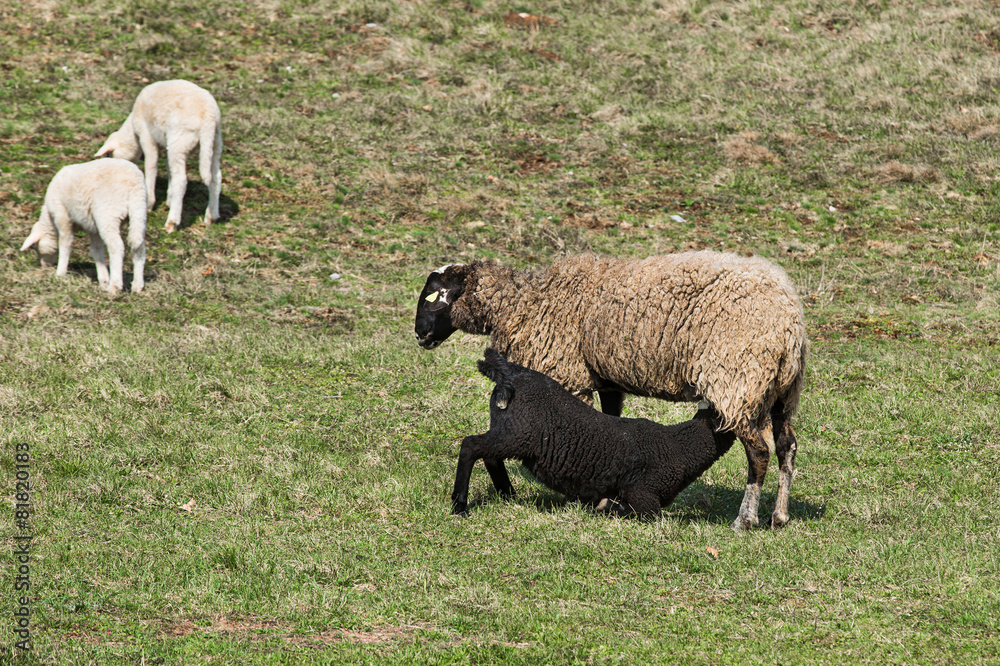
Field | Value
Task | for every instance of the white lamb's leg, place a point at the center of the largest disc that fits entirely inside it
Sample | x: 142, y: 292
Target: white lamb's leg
x: 138, y: 267
x: 211, y: 175
x: 177, y: 152
x: 151, y: 155
x: 97, y: 252
x: 64, y: 230
x: 116, y: 257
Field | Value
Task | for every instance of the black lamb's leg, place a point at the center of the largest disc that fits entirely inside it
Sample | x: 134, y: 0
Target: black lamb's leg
x: 467, y: 457
x: 611, y: 402
x: 498, y: 473
x: 642, y: 502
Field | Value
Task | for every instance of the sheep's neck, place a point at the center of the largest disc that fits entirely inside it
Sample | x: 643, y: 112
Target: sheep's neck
x: 489, y: 299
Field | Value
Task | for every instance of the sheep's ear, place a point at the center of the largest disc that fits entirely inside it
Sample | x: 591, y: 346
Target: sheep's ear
x: 109, y: 147
x: 438, y: 300
x: 34, y: 237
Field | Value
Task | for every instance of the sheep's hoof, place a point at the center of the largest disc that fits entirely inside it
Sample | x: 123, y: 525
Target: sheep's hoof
x: 779, y: 520
x: 460, y: 510
x: 742, y: 524
x: 170, y: 226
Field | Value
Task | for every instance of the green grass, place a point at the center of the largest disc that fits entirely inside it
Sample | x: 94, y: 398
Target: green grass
x: 250, y: 462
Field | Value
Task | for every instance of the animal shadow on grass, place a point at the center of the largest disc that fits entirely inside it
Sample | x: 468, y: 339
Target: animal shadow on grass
x: 89, y: 270
x: 698, y: 503
x: 195, y: 203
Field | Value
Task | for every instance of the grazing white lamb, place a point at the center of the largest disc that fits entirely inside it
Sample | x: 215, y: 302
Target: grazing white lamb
x: 97, y: 197
x: 176, y: 115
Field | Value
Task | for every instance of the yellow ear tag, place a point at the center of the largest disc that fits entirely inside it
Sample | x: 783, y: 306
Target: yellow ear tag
x: 433, y: 296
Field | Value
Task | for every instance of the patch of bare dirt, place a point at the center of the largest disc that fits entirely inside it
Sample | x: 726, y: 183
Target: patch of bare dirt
x: 990, y: 39
x: 527, y: 21
x: 896, y: 171
x: 534, y: 163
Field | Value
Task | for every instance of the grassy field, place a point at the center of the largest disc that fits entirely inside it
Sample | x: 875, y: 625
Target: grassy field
x: 251, y: 461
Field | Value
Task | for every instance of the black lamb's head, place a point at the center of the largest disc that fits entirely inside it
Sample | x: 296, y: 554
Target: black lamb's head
x: 444, y: 286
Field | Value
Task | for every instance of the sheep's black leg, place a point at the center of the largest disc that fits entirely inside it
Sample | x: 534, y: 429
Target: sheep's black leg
x: 785, y: 446
x: 611, y: 402
x: 758, y: 456
x: 467, y: 457
x: 498, y: 473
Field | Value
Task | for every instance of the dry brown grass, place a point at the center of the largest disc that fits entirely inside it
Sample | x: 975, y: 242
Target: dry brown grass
x: 742, y: 151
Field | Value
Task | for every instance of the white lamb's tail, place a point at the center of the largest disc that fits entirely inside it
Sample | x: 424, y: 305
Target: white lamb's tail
x: 137, y: 218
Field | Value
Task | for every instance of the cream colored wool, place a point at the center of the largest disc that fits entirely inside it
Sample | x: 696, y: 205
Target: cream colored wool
x: 179, y: 116
x: 97, y: 197
x: 709, y: 325
x: 696, y: 325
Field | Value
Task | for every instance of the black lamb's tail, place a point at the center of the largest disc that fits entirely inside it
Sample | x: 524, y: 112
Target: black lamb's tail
x: 496, y: 368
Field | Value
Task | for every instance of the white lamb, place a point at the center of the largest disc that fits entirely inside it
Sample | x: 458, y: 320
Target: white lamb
x: 97, y: 197
x: 176, y: 115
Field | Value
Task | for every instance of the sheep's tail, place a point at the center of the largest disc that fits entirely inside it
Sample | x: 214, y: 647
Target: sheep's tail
x: 497, y: 369
x: 791, y: 376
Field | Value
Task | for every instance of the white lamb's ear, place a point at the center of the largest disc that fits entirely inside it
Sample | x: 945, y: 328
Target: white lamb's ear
x: 109, y: 147
x: 29, y: 241
x: 34, y: 237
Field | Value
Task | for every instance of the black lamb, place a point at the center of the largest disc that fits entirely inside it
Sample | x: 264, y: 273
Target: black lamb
x: 582, y: 453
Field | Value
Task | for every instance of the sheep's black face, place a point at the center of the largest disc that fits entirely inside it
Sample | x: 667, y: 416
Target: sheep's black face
x: 433, y: 324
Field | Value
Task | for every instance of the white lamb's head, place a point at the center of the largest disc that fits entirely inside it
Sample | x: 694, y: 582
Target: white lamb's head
x: 122, y: 144
x: 43, y: 237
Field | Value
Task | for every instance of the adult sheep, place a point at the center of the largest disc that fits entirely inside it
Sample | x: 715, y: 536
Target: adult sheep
x: 680, y: 327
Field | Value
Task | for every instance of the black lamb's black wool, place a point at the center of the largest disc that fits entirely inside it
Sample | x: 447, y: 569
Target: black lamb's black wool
x: 578, y: 451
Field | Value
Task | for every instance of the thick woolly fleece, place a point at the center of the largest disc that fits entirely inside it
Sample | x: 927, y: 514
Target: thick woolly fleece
x: 97, y: 197
x: 709, y: 325
x: 179, y: 116
x: 588, y: 456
